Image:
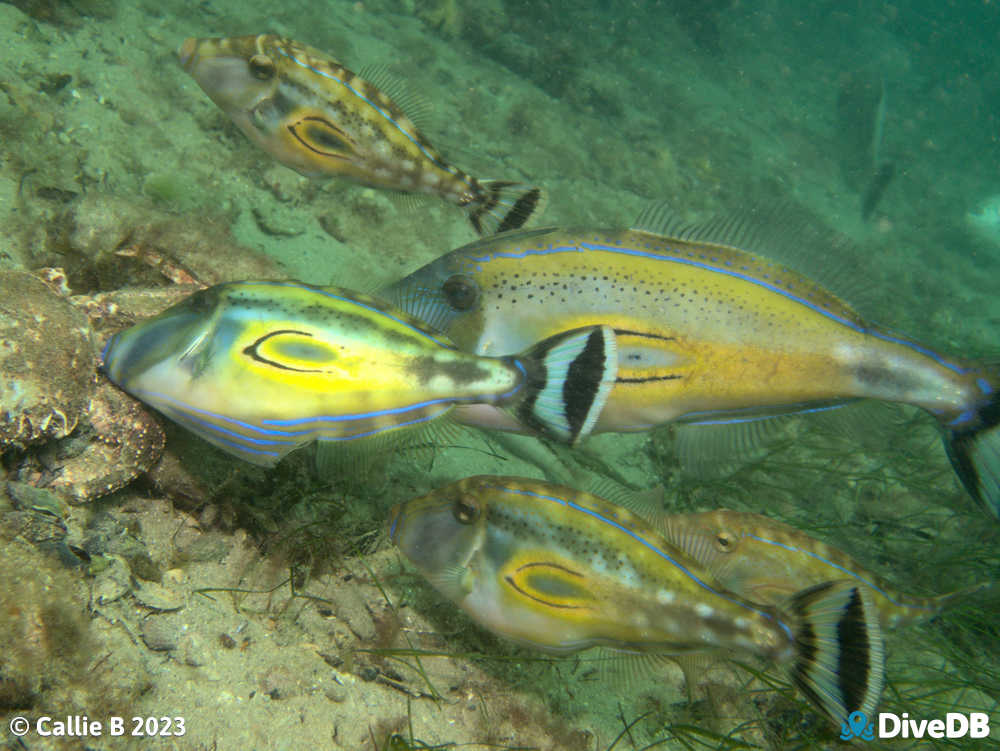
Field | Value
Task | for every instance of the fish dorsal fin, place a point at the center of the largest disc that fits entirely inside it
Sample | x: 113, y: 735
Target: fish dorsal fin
x: 413, y: 104
x: 818, y: 259
x: 392, y: 310
x: 712, y: 546
x: 647, y: 504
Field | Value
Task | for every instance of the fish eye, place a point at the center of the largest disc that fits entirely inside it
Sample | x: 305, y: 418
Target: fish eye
x: 466, y: 509
x: 460, y: 292
x: 262, y: 67
x: 724, y: 541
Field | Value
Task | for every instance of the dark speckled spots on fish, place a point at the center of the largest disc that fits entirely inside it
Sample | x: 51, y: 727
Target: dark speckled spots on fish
x: 459, y: 372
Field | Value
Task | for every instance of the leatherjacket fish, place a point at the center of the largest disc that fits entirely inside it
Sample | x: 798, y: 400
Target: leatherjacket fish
x: 561, y: 570
x: 707, y: 332
x: 765, y: 560
x: 314, y: 115
x: 260, y: 368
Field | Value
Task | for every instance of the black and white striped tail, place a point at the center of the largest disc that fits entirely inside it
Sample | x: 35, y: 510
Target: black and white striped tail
x: 839, y: 653
x: 501, y: 206
x: 569, y: 378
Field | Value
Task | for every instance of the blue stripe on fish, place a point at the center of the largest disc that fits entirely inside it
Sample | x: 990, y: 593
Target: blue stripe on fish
x: 152, y: 396
x: 848, y: 573
x: 690, y: 261
x: 758, y: 418
x: 645, y: 543
x: 376, y: 431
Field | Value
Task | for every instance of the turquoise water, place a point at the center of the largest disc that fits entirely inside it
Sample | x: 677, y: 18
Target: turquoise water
x: 108, y: 145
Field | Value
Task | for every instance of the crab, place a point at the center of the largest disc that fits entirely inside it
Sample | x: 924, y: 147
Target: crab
x: 64, y: 426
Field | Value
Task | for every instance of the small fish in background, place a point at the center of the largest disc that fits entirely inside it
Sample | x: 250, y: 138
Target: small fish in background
x: 562, y: 570
x: 712, y: 332
x: 767, y: 561
x: 984, y: 221
x: 317, y: 117
x: 262, y: 368
x: 862, y: 104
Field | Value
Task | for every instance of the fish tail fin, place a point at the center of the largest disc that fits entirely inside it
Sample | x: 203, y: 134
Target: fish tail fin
x: 838, y: 662
x: 569, y: 377
x: 972, y: 440
x: 500, y: 205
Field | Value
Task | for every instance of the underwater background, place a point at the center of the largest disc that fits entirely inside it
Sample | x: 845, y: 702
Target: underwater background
x: 266, y: 607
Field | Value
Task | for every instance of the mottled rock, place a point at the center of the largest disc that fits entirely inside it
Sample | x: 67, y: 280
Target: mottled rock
x: 162, y: 632
x: 279, y: 682
x: 47, y: 362
x: 192, y: 650
x: 29, y: 498
x: 350, y: 607
x: 112, y: 579
x: 133, y: 244
x: 158, y: 597
x: 123, y: 440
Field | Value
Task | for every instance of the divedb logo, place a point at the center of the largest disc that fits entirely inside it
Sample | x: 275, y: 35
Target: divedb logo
x: 891, y: 725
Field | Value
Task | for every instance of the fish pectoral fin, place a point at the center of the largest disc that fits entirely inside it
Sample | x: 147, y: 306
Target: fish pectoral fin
x: 456, y: 581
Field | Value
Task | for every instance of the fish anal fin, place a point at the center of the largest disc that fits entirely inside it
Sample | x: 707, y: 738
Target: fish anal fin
x: 715, y: 447
x: 354, y: 461
x: 630, y: 673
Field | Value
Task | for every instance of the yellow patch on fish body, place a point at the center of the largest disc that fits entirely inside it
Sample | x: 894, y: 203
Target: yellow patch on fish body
x: 314, y: 115
x: 767, y: 561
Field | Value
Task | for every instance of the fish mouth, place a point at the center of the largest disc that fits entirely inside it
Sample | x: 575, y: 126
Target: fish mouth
x: 187, y: 53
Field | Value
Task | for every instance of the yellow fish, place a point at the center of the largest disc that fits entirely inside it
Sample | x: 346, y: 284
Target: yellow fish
x: 767, y: 561
x: 314, y: 115
x: 707, y: 333
x: 561, y: 570
x: 261, y: 368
